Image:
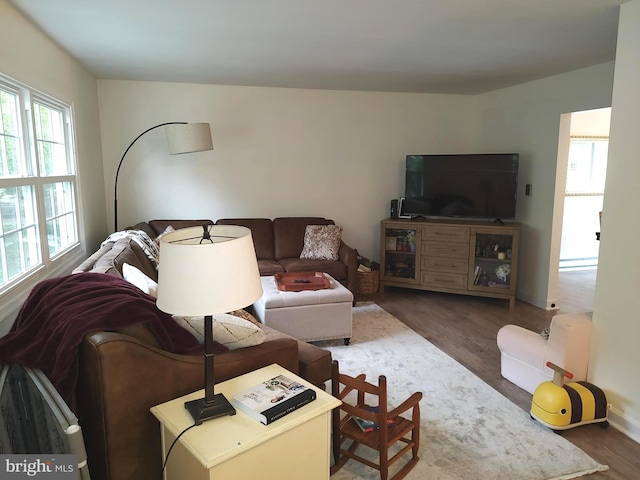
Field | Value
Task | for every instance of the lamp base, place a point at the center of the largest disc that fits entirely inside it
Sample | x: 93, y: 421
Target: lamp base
x: 201, y: 411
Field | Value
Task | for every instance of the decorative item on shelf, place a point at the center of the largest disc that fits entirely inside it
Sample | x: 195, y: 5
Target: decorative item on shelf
x: 389, y: 271
x: 411, y: 237
x: 199, y: 276
x: 183, y: 137
x: 390, y: 243
x: 402, y: 244
x: 503, y: 271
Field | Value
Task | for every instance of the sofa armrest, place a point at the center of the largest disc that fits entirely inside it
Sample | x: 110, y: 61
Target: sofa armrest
x: 349, y: 257
x: 524, y: 345
x: 121, y: 378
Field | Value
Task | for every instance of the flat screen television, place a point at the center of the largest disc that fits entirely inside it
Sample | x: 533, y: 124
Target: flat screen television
x: 461, y: 185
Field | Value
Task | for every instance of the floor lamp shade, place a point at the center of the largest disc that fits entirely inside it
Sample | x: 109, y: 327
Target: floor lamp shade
x: 182, y: 137
x: 189, y: 137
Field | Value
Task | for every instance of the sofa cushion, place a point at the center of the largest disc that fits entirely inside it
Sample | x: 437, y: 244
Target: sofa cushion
x: 336, y: 269
x: 269, y: 267
x: 321, y: 242
x: 160, y: 226
x: 228, y: 330
x: 145, y: 227
x: 288, y: 234
x: 90, y: 262
x: 262, y: 233
x: 124, y: 251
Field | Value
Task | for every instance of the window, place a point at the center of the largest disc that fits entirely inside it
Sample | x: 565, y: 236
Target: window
x: 587, y: 165
x: 38, y: 209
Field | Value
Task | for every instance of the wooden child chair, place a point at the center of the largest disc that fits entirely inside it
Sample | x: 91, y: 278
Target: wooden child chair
x: 399, y: 429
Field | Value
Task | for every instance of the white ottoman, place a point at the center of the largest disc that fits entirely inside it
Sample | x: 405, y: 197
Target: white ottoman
x: 308, y: 315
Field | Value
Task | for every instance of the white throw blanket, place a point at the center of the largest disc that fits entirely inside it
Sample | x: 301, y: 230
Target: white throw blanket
x: 146, y: 243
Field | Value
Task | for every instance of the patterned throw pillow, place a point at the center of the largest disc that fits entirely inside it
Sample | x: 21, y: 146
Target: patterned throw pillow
x: 321, y: 242
x: 169, y: 229
x: 231, y: 331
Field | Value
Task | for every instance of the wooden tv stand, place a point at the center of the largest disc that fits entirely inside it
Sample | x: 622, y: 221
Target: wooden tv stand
x: 452, y: 256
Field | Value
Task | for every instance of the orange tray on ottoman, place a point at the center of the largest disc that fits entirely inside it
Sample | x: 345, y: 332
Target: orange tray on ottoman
x: 299, y: 281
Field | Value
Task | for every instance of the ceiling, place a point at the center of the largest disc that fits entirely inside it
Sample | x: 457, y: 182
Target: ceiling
x: 432, y: 46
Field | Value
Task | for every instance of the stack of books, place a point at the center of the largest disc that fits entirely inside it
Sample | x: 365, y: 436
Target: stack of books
x: 273, y: 399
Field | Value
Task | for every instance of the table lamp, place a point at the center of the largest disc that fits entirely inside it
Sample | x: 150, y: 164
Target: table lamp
x: 204, y: 271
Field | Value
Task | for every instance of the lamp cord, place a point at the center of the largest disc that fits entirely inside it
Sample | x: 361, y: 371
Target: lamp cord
x: 164, y: 465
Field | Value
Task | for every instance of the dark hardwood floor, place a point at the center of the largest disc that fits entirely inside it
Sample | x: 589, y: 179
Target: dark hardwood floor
x: 466, y: 328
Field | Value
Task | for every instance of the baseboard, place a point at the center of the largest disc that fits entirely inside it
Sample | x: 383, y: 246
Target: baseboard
x: 627, y: 425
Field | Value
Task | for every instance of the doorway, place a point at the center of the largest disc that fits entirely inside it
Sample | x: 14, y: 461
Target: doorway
x: 580, y: 192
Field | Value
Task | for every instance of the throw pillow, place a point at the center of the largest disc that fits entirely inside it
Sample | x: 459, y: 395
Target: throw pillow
x: 169, y: 229
x: 228, y: 330
x: 321, y: 242
x: 136, y: 277
x: 246, y: 315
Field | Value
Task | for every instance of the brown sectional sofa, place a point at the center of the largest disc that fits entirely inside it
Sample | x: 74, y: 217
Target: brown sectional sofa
x: 279, y: 242
x: 122, y: 374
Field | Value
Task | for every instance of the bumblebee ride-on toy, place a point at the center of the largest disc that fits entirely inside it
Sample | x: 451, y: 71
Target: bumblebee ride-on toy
x: 561, y: 406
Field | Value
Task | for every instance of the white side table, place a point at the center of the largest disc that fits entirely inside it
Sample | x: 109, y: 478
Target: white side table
x: 239, y: 447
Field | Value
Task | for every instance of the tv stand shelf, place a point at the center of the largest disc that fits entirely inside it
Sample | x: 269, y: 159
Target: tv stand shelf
x: 452, y: 256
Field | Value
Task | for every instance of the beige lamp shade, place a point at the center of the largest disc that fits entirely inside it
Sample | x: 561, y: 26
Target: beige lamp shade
x: 198, y: 276
x: 189, y: 137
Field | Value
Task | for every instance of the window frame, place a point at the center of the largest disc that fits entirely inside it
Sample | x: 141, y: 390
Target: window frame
x: 13, y: 293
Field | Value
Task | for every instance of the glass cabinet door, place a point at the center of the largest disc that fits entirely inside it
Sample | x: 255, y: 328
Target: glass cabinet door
x: 494, y: 260
x: 400, y: 251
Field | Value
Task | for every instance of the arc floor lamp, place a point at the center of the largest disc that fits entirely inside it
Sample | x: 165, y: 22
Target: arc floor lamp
x: 183, y: 137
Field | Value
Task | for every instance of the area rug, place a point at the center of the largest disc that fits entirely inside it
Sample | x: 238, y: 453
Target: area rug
x: 468, y: 429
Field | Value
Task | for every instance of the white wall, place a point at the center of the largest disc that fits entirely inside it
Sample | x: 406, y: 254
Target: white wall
x: 526, y: 118
x: 30, y: 57
x: 615, y: 357
x: 336, y: 154
x: 278, y: 152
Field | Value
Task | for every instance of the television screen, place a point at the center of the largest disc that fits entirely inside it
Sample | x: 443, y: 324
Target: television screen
x: 464, y: 185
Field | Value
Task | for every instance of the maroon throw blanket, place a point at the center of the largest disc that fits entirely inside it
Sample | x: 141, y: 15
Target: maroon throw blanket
x: 59, y: 312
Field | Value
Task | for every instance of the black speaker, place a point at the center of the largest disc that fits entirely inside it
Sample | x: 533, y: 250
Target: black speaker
x: 394, y: 208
